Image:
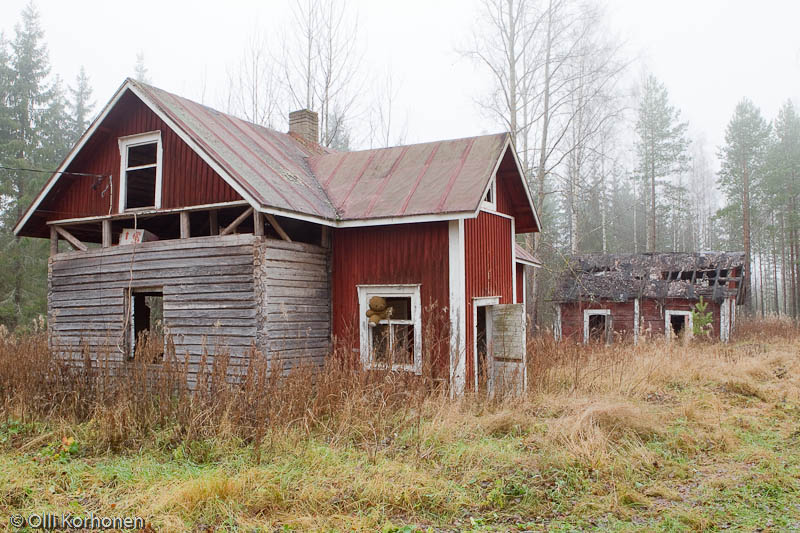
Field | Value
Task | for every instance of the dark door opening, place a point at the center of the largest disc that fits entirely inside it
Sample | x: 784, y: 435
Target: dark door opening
x: 597, y: 328
x: 678, y: 323
x: 147, y: 325
x: 482, y: 349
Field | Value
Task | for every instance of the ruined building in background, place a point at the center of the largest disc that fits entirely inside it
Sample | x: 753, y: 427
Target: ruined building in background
x: 603, y: 296
x: 212, y: 231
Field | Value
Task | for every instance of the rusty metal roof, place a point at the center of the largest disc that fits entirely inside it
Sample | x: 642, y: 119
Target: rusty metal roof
x: 280, y: 171
x: 419, y: 179
x: 275, y: 170
x: 524, y: 256
x: 272, y: 166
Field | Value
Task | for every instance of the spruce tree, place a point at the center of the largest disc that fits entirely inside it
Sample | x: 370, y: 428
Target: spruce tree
x: 80, y: 105
x: 661, y: 146
x: 742, y: 168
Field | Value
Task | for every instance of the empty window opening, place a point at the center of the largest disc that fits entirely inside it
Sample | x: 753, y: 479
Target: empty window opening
x: 490, y: 199
x: 146, y: 334
x: 677, y: 322
x: 597, y: 328
x: 391, y: 327
x: 140, y: 172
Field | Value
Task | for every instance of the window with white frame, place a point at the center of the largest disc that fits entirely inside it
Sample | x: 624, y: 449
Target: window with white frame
x: 140, y: 171
x: 490, y: 198
x: 390, y: 327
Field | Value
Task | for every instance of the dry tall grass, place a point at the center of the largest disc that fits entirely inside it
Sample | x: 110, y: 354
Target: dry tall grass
x: 593, y: 395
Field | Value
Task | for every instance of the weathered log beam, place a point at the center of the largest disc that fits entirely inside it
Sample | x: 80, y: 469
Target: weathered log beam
x: 277, y: 227
x: 71, y: 239
x: 186, y: 230
x: 235, y: 224
x: 106, y: 227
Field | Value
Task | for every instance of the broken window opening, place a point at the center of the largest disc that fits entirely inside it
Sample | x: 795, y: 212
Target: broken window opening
x: 482, y: 346
x: 146, y: 338
x: 597, y: 328
x: 391, y: 327
x: 677, y: 322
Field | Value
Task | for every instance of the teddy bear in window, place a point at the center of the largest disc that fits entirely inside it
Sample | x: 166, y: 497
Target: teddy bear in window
x: 378, y: 310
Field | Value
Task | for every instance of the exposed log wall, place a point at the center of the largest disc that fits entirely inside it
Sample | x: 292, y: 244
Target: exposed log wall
x: 294, y: 312
x: 208, y: 288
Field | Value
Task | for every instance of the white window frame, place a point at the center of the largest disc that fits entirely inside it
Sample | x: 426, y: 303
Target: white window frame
x: 492, y: 187
x: 124, y: 144
x: 668, y: 314
x: 591, y: 312
x: 365, y: 292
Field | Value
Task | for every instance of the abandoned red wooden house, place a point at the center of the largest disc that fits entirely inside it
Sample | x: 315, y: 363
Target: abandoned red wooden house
x: 223, y: 232
x: 603, y: 296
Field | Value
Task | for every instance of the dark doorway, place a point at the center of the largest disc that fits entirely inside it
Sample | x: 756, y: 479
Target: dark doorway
x: 597, y: 328
x: 147, y: 324
x: 482, y: 349
x: 678, y: 323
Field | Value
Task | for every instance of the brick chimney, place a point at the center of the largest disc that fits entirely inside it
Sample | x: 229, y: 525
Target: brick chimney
x: 305, y: 124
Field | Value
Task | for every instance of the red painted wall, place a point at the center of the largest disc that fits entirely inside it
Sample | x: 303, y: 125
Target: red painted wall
x: 651, y: 314
x: 395, y: 254
x: 186, y: 179
x: 488, y: 269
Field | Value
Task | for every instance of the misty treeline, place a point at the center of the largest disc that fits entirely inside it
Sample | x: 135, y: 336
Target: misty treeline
x: 611, y: 164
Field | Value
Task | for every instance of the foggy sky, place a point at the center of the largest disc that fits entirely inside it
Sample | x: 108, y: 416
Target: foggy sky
x: 709, y: 54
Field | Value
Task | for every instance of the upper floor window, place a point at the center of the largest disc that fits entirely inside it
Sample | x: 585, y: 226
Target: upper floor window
x: 140, y: 171
x: 490, y: 198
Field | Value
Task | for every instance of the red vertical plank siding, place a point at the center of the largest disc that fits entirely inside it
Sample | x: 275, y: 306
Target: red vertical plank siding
x: 520, y: 282
x: 488, y: 269
x: 388, y: 255
x: 651, y: 316
x: 186, y: 179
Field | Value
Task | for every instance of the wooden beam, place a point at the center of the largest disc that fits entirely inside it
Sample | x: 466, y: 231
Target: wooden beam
x: 325, y: 237
x: 235, y: 224
x: 53, y: 241
x: 186, y: 230
x: 71, y: 239
x: 258, y: 224
x: 106, y: 225
x: 277, y: 227
x: 213, y: 222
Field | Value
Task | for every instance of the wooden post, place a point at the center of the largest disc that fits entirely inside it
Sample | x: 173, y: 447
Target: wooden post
x: 185, y: 228
x: 258, y: 224
x: 325, y: 237
x: 53, y: 241
x: 106, y: 233
x: 213, y: 223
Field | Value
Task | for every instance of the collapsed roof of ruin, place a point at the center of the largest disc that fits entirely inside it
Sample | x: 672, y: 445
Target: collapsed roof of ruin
x: 623, y: 277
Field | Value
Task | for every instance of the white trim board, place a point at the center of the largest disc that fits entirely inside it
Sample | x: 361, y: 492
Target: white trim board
x: 457, y: 295
x: 134, y: 140
x: 480, y: 301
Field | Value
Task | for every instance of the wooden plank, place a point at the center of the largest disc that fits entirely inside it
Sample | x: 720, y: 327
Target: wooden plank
x: 53, y: 241
x: 150, y: 277
x: 177, y: 306
x: 148, y: 255
x: 173, y: 244
x: 71, y: 239
x: 277, y: 227
x: 303, y: 284
x: 291, y: 256
x: 296, y: 246
x: 325, y: 237
x: 143, y: 267
x: 186, y: 230
x: 297, y: 292
x: 291, y: 274
x: 218, y: 332
x: 235, y: 224
x: 295, y: 307
x: 106, y: 230
x: 269, y: 264
x: 186, y: 282
x: 213, y: 297
x: 144, y: 263
x: 241, y: 314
